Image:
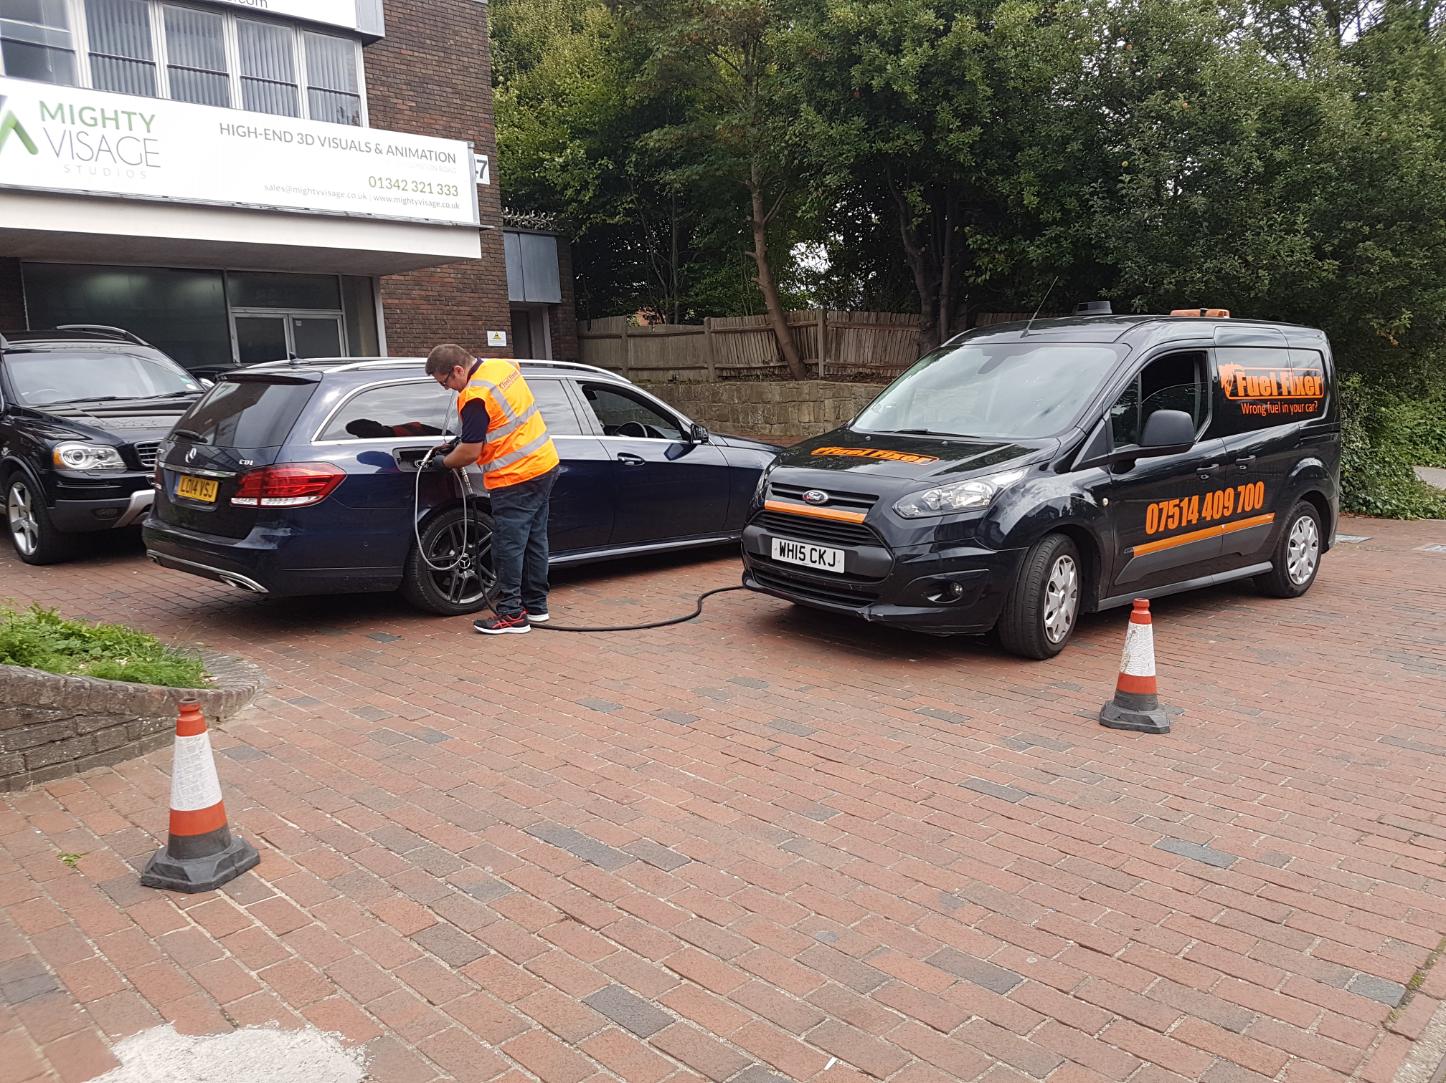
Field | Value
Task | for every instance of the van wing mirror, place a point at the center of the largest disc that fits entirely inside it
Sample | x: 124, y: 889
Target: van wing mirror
x: 698, y: 434
x: 1168, y: 432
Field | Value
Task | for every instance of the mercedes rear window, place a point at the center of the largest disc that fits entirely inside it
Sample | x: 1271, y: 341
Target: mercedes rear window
x: 248, y: 413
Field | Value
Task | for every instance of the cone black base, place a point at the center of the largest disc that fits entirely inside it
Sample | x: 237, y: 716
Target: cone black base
x: 1124, y: 718
x: 195, y: 874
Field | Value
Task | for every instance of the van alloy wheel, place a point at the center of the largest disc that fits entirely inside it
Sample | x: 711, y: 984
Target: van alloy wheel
x: 1303, y: 550
x: 1061, y: 599
x: 20, y: 514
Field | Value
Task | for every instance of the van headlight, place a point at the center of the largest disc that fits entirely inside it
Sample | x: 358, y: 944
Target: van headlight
x: 87, y: 457
x: 761, y: 489
x: 961, y: 496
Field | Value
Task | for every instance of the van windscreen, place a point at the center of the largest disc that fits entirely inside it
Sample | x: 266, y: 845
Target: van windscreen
x: 1008, y: 390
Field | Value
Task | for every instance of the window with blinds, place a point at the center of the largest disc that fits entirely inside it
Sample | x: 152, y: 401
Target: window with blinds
x: 36, y: 42
x: 268, y: 68
x: 170, y: 49
x: 122, y: 51
x: 333, y: 88
x: 196, y: 66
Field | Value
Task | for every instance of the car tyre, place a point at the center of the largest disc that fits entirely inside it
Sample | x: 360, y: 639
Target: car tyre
x: 465, y: 589
x: 1296, y: 560
x: 27, y: 522
x: 1043, y: 607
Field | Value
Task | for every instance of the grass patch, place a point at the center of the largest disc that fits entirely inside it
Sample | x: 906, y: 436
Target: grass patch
x: 42, y: 639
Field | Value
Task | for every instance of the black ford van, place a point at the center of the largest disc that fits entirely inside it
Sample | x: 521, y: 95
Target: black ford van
x: 1024, y: 473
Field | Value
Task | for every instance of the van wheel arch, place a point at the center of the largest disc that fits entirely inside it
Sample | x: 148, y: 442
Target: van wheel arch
x: 1091, y: 562
x: 1316, y: 499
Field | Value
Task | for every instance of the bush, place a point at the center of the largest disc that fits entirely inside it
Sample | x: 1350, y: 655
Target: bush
x: 1383, y: 438
x: 42, y: 639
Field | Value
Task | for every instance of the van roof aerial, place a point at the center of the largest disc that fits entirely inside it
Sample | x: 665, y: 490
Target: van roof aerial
x: 1209, y: 313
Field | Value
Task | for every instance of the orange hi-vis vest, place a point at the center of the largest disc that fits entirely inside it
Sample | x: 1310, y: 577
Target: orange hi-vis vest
x: 518, y: 448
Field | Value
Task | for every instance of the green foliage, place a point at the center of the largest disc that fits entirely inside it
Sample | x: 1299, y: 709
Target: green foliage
x: 1384, y: 435
x: 1285, y: 159
x: 42, y: 639
x: 70, y: 861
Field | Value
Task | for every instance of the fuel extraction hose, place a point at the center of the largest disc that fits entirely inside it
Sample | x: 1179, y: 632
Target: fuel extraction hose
x: 462, y: 555
x: 697, y: 612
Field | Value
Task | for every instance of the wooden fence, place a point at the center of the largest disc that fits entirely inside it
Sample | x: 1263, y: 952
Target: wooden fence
x: 869, y: 347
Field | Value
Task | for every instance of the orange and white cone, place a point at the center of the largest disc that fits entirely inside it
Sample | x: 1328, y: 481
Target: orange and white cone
x: 1136, y: 705
x: 201, y: 854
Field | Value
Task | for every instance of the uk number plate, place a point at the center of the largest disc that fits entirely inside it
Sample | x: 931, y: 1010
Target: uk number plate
x: 810, y: 556
x: 202, y: 489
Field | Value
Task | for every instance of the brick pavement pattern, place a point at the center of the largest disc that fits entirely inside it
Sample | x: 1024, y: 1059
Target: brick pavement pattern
x: 769, y: 845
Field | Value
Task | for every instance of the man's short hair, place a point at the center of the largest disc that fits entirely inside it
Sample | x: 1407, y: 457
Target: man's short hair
x: 446, y: 358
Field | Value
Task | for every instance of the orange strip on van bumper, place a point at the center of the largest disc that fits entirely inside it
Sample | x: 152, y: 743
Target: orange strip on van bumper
x: 815, y: 513
x: 1201, y: 535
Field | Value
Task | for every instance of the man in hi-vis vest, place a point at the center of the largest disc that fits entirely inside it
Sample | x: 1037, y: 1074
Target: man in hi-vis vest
x: 504, y: 434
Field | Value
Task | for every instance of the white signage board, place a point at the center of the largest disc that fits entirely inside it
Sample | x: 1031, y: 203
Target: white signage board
x: 85, y: 142
x: 331, y: 12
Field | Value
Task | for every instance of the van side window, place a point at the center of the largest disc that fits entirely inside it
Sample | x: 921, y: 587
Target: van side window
x: 1262, y: 387
x: 1173, y: 382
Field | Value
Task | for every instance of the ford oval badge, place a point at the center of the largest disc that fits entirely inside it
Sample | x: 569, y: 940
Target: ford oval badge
x: 815, y: 496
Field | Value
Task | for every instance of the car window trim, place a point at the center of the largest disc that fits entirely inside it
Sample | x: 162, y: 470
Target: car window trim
x: 684, y: 423
x: 346, y: 401
x: 351, y: 441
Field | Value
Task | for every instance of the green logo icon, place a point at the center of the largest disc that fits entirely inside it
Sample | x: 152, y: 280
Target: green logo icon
x: 10, y: 123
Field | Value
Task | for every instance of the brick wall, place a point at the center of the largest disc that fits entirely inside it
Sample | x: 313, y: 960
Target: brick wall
x: 12, y: 297
x: 432, y: 75
x: 562, y: 318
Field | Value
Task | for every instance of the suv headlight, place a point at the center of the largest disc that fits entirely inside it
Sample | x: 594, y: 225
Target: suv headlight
x: 961, y: 496
x: 87, y: 457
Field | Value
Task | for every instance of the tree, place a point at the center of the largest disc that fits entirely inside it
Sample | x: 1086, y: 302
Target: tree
x: 728, y: 57
x: 918, y: 107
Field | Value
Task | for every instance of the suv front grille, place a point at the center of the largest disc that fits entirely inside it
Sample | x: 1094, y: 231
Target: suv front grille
x: 146, y: 453
x: 823, y: 531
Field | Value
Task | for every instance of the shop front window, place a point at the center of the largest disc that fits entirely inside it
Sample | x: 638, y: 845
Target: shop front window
x: 333, y: 86
x: 122, y: 53
x: 268, y: 68
x: 196, y: 49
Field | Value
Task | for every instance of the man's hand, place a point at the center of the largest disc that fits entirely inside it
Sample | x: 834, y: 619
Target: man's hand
x: 437, y: 461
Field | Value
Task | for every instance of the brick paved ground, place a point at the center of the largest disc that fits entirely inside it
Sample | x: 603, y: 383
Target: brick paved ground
x: 768, y: 845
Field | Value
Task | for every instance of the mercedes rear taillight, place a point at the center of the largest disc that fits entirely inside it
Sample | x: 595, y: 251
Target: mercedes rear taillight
x: 292, y: 485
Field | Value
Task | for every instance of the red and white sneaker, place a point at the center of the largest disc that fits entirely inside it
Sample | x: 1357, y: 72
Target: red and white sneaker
x: 538, y: 618
x: 496, y: 626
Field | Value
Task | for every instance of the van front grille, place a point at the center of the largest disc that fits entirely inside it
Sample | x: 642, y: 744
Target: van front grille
x: 837, y: 498
x: 822, y: 531
x: 775, y: 577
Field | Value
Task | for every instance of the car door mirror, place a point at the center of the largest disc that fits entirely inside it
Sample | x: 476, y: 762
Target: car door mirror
x: 207, y: 384
x: 1168, y: 432
x: 698, y: 434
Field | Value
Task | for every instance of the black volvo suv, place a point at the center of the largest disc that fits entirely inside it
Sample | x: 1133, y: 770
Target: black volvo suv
x: 82, y: 411
x: 1025, y: 473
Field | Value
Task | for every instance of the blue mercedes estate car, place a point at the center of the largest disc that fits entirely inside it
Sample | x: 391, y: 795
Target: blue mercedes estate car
x: 301, y: 477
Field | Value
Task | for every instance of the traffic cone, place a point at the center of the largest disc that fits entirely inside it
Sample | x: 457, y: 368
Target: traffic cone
x: 1136, y: 705
x: 200, y: 853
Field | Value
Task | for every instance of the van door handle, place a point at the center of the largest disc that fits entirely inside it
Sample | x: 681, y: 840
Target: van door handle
x: 627, y: 458
x: 1209, y: 471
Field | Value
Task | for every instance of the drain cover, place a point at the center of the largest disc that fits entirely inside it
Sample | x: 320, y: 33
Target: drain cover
x: 1351, y: 538
x: 1433, y: 549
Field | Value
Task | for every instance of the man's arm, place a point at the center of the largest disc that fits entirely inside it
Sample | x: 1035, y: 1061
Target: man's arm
x: 473, y: 438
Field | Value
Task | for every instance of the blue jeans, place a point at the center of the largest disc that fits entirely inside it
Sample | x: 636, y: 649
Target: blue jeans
x: 519, y: 544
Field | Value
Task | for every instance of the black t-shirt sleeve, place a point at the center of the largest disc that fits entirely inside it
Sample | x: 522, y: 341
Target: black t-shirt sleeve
x: 474, y: 422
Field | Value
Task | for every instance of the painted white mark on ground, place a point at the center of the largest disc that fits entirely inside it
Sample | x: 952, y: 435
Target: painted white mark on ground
x: 160, y: 1055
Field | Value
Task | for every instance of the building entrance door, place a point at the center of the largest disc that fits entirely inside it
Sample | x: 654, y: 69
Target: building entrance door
x: 277, y: 336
